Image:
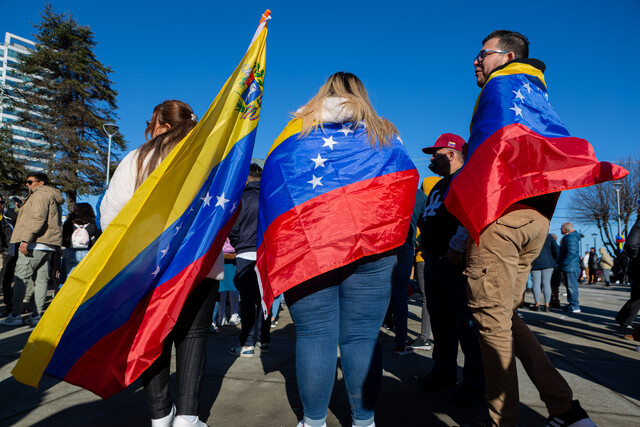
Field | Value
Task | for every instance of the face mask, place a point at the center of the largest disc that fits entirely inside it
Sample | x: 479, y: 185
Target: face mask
x: 433, y: 166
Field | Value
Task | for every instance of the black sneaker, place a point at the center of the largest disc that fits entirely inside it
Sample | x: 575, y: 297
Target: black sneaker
x: 420, y: 344
x: 432, y: 383
x: 574, y: 417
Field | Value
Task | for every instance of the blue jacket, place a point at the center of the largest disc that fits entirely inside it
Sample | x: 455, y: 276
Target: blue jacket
x: 548, y: 255
x: 569, y: 259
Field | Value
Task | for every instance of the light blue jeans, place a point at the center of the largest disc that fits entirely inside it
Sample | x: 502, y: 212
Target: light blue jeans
x: 348, y: 315
x: 572, y: 287
x: 542, y: 278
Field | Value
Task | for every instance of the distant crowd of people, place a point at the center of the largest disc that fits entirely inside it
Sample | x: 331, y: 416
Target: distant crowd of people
x: 470, y: 290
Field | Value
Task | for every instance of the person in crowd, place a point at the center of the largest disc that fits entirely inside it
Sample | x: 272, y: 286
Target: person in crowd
x: 443, y: 245
x: 541, y: 272
x: 344, y: 307
x: 170, y: 122
x: 606, y: 263
x: 423, y: 342
x: 79, y: 233
x: 400, y: 280
x: 228, y: 291
x: 569, y: 262
x: 6, y: 229
x: 256, y: 330
x: 630, y: 309
x: 274, y: 313
x: 592, y: 277
x: 557, y: 278
x: 499, y: 263
x: 38, y: 235
x: 584, y: 268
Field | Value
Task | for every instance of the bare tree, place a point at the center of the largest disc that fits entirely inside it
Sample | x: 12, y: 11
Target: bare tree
x: 598, y: 205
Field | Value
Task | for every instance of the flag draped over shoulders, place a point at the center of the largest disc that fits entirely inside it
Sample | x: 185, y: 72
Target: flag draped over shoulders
x: 328, y: 199
x: 108, y: 323
x: 519, y: 149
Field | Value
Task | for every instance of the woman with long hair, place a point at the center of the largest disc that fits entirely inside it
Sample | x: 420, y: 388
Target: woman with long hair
x: 170, y: 122
x: 344, y: 304
x: 74, y: 239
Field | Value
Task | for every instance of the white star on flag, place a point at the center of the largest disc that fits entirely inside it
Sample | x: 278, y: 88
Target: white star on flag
x: 517, y: 110
x: 319, y: 161
x: 315, y: 182
x: 207, y: 200
x: 345, y: 130
x: 526, y: 86
x: 221, y: 200
x: 157, y: 270
x: 329, y: 142
x: 518, y: 95
x: 164, y: 251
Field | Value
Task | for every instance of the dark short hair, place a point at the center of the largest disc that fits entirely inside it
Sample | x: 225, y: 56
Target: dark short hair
x: 511, y: 41
x: 39, y: 176
x: 255, y: 171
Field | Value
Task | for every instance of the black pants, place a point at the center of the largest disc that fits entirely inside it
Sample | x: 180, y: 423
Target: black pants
x: 254, y: 326
x: 190, y: 338
x: 451, y: 322
x: 630, y: 309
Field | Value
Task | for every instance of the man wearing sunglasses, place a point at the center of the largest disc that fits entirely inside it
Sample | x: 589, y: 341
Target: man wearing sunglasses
x: 37, y: 235
x: 498, y: 264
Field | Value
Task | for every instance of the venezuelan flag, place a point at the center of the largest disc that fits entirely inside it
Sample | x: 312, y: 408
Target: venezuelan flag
x: 108, y: 323
x: 519, y: 149
x: 329, y: 200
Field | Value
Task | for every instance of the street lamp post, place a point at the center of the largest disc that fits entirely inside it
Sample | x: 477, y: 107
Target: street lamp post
x: 618, y: 186
x: 594, y: 239
x: 110, y: 130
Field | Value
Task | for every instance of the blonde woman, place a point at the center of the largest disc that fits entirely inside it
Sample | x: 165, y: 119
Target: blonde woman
x: 354, y: 199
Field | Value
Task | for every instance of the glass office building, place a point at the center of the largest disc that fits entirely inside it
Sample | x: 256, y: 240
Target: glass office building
x: 24, y: 141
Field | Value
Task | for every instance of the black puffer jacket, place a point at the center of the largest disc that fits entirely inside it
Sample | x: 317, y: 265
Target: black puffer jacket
x: 632, y: 249
x: 244, y: 234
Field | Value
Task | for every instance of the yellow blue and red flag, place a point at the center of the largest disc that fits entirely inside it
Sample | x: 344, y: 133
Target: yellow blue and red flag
x: 327, y: 200
x: 108, y: 323
x: 518, y: 149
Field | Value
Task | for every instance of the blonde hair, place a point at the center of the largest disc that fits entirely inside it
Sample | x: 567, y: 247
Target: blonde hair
x: 347, y: 86
x: 181, y: 119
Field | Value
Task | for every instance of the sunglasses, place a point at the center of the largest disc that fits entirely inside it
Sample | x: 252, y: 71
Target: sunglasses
x: 29, y: 182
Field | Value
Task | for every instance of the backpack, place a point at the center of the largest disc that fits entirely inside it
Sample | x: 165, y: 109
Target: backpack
x: 80, y: 238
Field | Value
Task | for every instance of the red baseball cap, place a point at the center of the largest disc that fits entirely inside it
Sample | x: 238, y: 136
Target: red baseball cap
x: 446, y: 140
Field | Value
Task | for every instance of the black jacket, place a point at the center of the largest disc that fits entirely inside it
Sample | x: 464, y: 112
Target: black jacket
x: 68, y: 229
x: 632, y: 249
x: 548, y: 255
x: 437, y: 225
x: 5, y: 235
x: 244, y: 234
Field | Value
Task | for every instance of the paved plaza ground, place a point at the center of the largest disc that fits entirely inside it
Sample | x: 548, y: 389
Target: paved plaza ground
x: 602, y: 368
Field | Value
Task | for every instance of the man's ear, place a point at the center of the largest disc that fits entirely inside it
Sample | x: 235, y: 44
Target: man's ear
x: 510, y: 56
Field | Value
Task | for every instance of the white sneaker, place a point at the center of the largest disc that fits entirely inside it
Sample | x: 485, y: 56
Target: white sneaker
x: 224, y: 321
x: 302, y: 424
x: 165, y: 421
x: 182, y: 421
x: 32, y: 320
x: 235, y: 320
x: 12, y: 320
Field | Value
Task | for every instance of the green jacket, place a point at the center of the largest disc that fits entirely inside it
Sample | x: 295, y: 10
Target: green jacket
x: 40, y: 218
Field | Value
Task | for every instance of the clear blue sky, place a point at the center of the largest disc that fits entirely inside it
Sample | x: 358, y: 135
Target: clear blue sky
x: 415, y: 59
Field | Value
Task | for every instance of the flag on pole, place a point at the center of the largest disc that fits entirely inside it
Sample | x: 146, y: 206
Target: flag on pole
x: 108, y: 323
x: 328, y: 201
x: 519, y: 149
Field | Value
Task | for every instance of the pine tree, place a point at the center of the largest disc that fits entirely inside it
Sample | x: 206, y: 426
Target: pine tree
x: 67, y: 99
x: 12, y: 172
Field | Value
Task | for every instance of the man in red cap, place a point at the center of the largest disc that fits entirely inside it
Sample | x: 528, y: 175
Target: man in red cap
x: 443, y: 242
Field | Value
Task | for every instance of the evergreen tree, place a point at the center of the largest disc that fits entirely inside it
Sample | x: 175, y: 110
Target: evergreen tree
x: 67, y: 99
x: 12, y: 172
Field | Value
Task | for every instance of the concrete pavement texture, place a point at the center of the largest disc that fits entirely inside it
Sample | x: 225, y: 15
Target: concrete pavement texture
x: 587, y: 348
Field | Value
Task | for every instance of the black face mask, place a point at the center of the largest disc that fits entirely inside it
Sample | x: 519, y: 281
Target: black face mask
x: 432, y: 167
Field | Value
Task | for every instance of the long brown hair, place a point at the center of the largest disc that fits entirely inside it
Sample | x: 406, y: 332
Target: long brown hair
x: 179, y: 116
x: 349, y: 87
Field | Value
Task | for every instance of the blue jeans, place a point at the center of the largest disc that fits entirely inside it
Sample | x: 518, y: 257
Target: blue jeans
x: 572, y: 287
x: 347, y: 314
x: 275, y: 306
x: 400, y: 291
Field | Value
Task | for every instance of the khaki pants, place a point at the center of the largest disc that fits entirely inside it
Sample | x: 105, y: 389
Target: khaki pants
x: 497, y: 273
x: 31, y: 267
